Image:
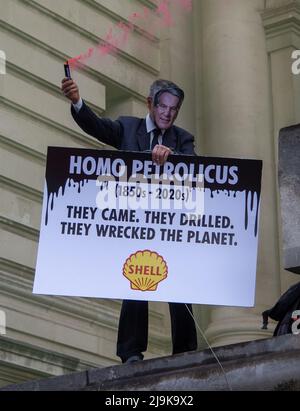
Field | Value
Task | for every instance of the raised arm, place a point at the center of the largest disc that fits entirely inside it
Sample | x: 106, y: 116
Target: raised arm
x: 103, y: 129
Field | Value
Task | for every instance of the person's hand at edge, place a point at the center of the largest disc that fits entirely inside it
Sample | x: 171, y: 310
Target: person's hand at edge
x: 70, y: 90
x: 160, y: 154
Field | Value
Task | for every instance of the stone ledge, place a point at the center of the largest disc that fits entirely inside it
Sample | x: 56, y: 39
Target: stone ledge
x: 269, y: 364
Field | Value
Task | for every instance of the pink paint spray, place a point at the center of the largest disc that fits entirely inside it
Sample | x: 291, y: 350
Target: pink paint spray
x: 118, y: 35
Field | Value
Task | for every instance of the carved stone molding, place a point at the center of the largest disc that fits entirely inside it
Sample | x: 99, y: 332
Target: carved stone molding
x: 282, y: 26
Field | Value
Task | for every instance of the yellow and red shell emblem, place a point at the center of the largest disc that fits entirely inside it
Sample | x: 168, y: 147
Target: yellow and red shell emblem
x: 145, y: 269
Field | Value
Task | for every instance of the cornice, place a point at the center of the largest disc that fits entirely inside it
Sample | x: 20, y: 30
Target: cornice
x: 281, y: 24
x: 116, y: 17
x: 11, y: 267
x: 22, y: 149
x: 149, y: 3
x: 43, y: 84
x: 21, y: 189
x: 21, y: 230
x: 35, y: 358
x: 272, y: 12
x: 13, y: 374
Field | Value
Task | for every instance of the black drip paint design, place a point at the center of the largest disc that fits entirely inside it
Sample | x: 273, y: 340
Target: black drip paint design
x: 252, y: 195
x: 58, y: 176
x: 53, y: 195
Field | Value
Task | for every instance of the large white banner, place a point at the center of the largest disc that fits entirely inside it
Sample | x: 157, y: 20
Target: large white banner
x: 115, y: 225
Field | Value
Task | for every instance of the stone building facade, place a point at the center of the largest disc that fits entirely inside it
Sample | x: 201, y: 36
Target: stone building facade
x: 233, y: 59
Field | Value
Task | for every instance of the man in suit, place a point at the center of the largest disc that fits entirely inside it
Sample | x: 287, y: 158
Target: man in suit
x: 157, y: 133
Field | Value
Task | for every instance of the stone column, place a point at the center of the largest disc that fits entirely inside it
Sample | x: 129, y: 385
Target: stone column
x: 237, y: 123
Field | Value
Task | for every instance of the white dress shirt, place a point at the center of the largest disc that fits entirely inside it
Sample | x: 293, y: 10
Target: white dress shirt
x: 150, y: 126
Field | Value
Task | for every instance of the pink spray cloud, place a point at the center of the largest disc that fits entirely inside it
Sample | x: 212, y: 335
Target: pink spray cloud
x: 118, y: 36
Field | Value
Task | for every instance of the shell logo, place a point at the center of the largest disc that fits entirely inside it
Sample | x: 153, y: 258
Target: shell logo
x: 145, y: 269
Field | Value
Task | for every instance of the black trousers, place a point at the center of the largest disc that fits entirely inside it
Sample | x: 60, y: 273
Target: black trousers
x: 133, y: 329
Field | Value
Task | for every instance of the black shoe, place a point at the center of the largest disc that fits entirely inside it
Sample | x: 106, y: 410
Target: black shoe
x: 133, y: 358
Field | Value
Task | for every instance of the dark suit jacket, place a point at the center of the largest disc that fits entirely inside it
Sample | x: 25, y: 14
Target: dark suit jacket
x: 130, y: 133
